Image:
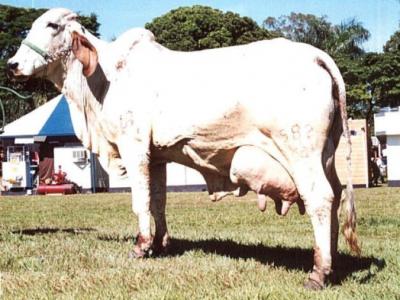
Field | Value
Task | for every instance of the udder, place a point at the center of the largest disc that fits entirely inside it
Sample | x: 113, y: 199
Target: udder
x: 264, y: 175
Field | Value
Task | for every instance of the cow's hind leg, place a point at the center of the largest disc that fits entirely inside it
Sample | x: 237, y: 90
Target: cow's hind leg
x: 158, y: 190
x: 329, y: 162
x: 316, y: 191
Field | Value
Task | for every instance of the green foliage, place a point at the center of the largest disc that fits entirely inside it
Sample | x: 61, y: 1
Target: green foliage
x: 14, y: 26
x: 305, y: 28
x: 201, y: 27
x: 90, y: 23
x: 76, y: 247
x: 372, y: 81
x: 384, y: 77
x: 345, y: 38
x: 385, y: 73
x: 355, y: 75
x: 393, y: 44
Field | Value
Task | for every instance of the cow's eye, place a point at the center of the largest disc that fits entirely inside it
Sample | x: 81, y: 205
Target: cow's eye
x: 53, y: 25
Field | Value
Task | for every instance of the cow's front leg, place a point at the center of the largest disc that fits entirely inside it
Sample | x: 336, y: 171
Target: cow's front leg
x: 158, y: 187
x: 136, y: 158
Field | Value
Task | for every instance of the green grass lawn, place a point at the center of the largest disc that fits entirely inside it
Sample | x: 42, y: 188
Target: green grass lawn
x: 70, y: 247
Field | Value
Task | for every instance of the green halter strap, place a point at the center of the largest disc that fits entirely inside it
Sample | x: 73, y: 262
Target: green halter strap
x: 39, y: 51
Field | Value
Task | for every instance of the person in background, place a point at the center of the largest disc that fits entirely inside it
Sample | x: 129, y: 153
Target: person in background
x: 376, y: 172
x: 382, y: 169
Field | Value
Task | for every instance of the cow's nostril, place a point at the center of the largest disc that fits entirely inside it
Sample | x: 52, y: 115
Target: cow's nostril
x: 12, y: 66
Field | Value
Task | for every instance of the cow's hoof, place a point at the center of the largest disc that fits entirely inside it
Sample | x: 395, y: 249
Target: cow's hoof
x: 140, y: 253
x: 161, y: 246
x: 143, y: 247
x: 313, y: 285
x: 160, y: 250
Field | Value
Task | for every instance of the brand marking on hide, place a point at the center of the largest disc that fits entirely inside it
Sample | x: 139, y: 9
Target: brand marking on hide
x: 322, y: 215
x: 299, y: 139
x: 296, y: 131
x: 126, y: 121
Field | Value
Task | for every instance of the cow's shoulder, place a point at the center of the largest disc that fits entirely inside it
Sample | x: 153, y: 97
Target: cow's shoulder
x: 130, y: 39
x: 135, y: 35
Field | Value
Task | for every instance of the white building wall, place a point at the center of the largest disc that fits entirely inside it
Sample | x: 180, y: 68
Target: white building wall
x: 387, y: 123
x: 180, y: 175
x: 78, y: 171
x: 393, y: 160
x: 177, y: 176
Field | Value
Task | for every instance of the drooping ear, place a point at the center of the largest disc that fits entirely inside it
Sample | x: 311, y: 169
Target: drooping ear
x: 85, y: 52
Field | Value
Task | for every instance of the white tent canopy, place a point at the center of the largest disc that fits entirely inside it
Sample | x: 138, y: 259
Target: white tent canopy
x: 51, y: 119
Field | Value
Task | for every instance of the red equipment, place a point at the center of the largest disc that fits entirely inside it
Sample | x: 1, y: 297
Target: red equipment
x: 59, y: 185
x: 65, y: 189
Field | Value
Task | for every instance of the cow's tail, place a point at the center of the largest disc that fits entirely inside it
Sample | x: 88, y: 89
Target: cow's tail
x: 339, y: 92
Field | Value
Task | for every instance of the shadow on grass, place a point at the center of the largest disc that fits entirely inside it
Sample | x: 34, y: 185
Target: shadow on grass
x: 48, y: 230
x: 288, y: 258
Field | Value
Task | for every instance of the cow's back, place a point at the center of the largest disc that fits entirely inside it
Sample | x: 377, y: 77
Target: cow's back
x: 266, y: 84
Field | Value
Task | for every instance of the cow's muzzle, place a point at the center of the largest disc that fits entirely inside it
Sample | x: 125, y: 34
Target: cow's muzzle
x: 14, y: 73
x: 12, y: 67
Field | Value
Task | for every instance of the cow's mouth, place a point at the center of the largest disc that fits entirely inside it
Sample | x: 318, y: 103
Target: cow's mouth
x: 17, y: 76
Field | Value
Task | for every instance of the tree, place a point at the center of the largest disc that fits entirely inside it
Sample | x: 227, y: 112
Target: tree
x: 201, y: 27
x: 343, y: 42
x: 305, y: 28
x: 346, y: 38
x: 387, y: 75
x: 355, y: 74
x: 393, y: 44
x: 372, y: 81
x: 14, y: 26
x: 384, y: 77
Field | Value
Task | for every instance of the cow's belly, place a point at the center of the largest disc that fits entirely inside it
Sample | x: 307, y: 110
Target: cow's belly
x: 233, y: 166
x: 213, y: 163
x: 209, y: 146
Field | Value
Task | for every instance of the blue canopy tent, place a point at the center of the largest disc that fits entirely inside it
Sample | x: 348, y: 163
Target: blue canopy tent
x: 52, y: 119
x: 59, y: 122
x: 35, y: 136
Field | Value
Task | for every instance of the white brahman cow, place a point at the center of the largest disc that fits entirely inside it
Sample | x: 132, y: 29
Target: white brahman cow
x: 266, y: 116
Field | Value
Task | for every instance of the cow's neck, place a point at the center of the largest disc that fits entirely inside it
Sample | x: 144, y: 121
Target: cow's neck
x: 76, y: 88
x: 86, y: 93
